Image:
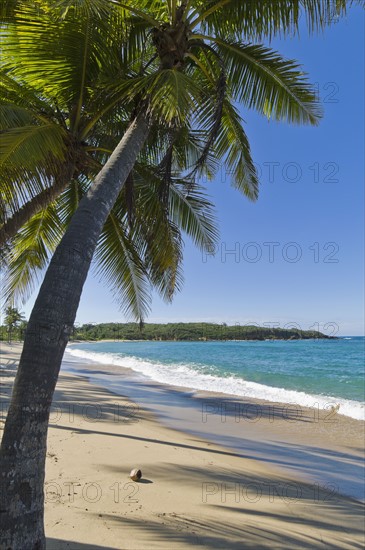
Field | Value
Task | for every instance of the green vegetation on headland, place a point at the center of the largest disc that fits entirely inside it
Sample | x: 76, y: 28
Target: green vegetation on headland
x: 173, y: 332
x: 188, y: 332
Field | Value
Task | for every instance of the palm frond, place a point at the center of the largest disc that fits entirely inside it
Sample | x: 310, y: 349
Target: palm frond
x: 166, y: 280
x: 255, y: 20
x: 31, y: 145
x: 69, y: 200
x: 157, y: 232
x: 191, y: 211
x: 233, y: 147
x: 18, y: 215
x: 12, y: 116
x: 120, y: 264
x: 88, y: 43
x: 24, y: 178
x: 188, y: 208
x: 173, y: 95
x: 29, y: 155
x: 29, y: 254
x: 212, y: 122
x: 261, y: 79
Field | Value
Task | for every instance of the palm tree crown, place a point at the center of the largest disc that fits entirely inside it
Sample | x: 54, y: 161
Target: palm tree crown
x: 64, y: 146
x: 73, y: 75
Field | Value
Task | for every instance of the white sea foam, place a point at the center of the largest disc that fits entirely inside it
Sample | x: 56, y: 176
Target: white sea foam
x: 184, y: 375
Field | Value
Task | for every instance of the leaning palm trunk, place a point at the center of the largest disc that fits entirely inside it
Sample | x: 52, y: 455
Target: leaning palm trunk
x: 10, y: 228
x: 23, y: 447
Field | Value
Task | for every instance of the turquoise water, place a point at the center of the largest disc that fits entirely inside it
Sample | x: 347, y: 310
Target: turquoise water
x: 300, y: 371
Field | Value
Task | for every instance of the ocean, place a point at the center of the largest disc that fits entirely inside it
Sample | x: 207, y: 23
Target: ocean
x: 311, y: 373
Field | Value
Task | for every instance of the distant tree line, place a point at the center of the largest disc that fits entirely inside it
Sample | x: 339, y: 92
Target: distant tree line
x: 13, y: 326
x: 188, y: 332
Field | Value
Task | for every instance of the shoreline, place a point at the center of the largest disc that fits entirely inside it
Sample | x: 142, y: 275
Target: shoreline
x: 193, y: 491
x: 241, y: 389
x: 248, y: 426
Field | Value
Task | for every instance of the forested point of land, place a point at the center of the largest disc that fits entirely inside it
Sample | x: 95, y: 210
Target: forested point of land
x: 188, y: 332
x: 177, y: 332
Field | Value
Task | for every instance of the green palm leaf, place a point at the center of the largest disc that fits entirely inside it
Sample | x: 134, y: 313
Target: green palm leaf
x: 233, y: 147
x: 30, y: 145
x: 157, y: 235
x: 194, y: 214
x: 173, y: 95
x: 266, y: 18
x: 29, y: 254
x: 69, y: 200
x: 188, y: 206
x: 262, y: 80
x: 29, y: 155
x: 120, y: 264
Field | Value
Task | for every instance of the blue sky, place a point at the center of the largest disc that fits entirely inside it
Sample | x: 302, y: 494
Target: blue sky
x: 311, y: 206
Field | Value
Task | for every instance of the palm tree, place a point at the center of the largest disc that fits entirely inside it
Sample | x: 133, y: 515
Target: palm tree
x: 120, y: 255
x: 13, y: 319
x: 64, y: 152
x: 198, y: 59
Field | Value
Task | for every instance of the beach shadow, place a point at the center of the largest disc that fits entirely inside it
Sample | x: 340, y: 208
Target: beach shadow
x: 90, y: 373
x: 338, y: 467
x: 249, y: 510
x: 177, y: 530
x: 9, y: 364
x: 150, y: 440
x: 152, y: 395
x: 240, y: 409
x: 61, y: 544
x: 237, y: 523
x: 93, y: 403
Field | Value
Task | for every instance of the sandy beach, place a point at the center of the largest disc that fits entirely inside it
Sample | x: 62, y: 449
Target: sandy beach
x: 194, y: 492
